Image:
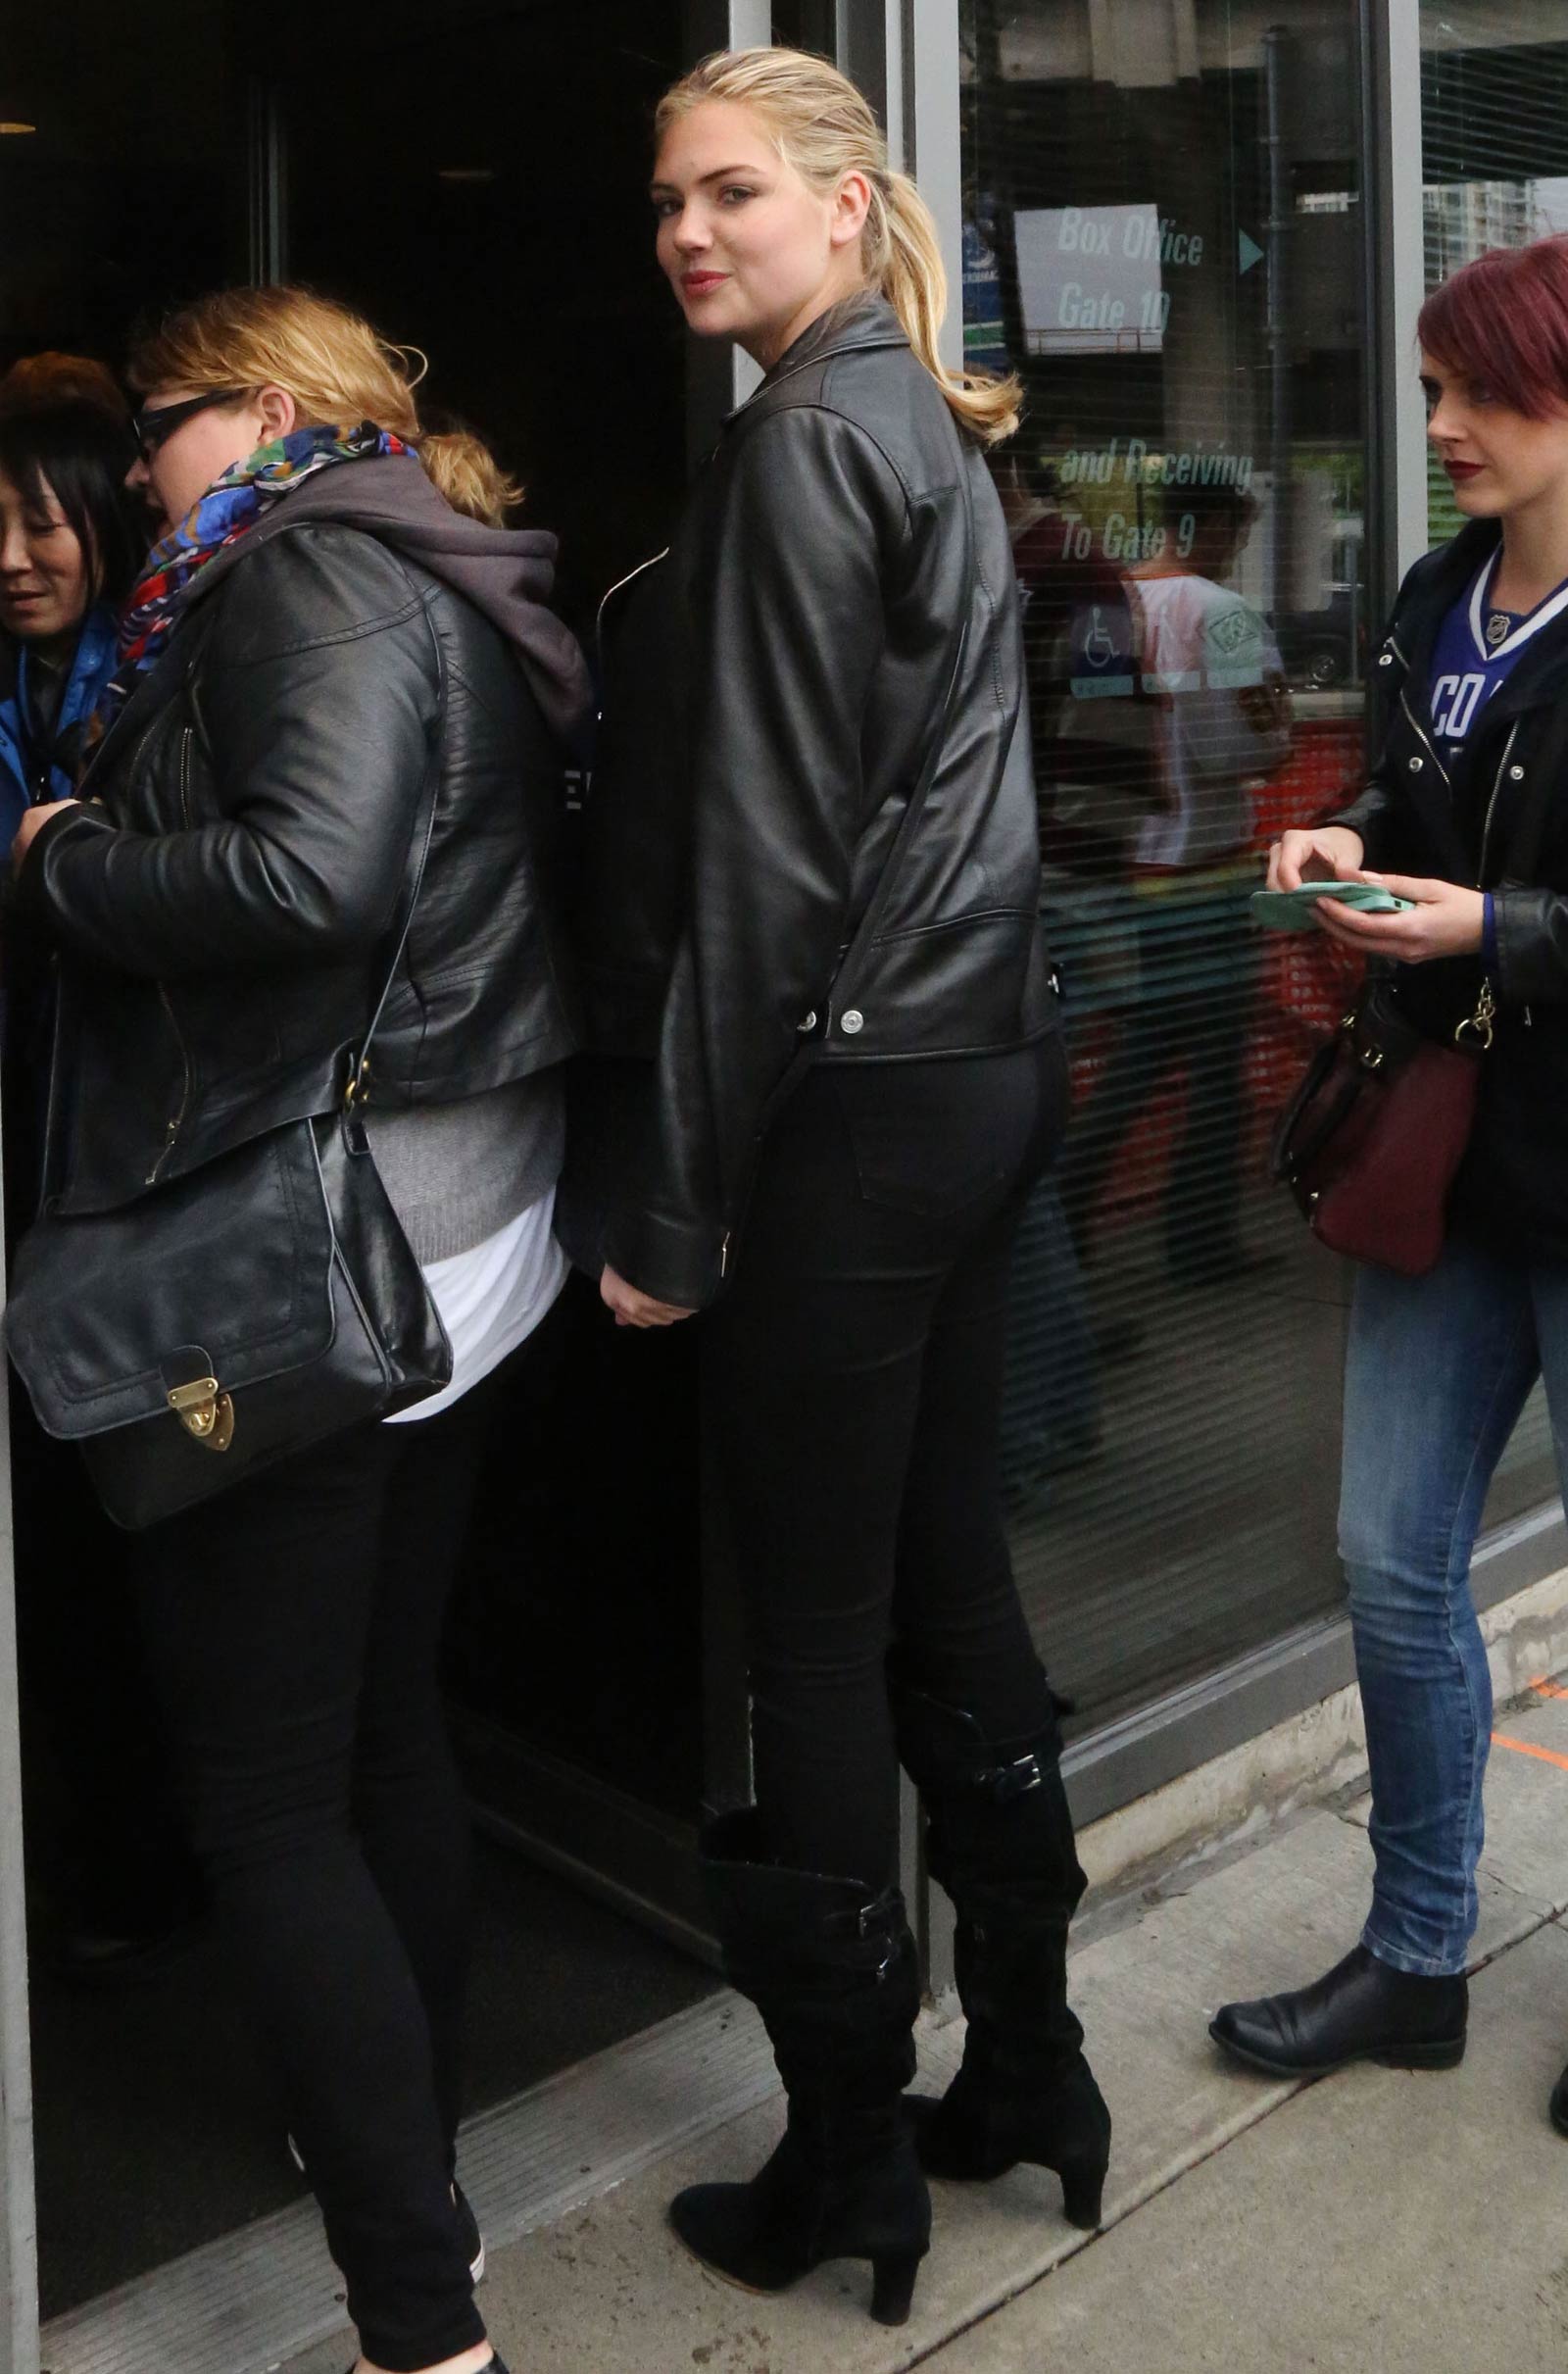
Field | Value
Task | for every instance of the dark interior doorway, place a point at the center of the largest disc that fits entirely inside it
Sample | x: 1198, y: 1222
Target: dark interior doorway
x: 476, y: 182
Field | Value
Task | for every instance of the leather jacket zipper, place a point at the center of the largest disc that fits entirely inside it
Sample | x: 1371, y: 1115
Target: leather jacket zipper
x: 147, y: 732
x: 1486, y: 1008
x: 1482, y: 1020
x: 1496, y: 786
x: 185, y: 1091
x: 1419, y: 730
x: 620, y: 586
x: 185, y: 740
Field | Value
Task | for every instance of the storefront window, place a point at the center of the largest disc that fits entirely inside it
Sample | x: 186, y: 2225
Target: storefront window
x: 1495, y: 166
x: 1163, y: 236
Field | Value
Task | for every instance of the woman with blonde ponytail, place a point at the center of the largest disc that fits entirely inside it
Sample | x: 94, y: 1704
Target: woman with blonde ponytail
x: 824, y: 126
x: 813, y: 959
x: 322, y: 799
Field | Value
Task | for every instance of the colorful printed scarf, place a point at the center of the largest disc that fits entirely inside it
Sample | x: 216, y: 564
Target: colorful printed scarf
x: 229, y: 509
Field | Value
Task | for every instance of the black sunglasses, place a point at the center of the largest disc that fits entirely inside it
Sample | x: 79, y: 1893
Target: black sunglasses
x: 154, y: 428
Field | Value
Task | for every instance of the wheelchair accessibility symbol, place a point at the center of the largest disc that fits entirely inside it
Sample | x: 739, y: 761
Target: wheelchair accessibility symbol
x: 1099, y: 648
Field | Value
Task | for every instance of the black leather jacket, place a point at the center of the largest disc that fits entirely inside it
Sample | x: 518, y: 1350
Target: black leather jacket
x: 1497, y: 821
x: 772, y: 687
x: 223, y: 914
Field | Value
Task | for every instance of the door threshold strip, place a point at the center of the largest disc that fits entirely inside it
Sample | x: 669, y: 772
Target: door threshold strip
x: 256, y: 2298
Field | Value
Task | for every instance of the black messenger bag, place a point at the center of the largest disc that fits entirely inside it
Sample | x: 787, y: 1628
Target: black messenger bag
x: 215, y: 1326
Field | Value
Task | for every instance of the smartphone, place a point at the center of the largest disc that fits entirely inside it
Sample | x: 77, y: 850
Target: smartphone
x: 1292, y: 910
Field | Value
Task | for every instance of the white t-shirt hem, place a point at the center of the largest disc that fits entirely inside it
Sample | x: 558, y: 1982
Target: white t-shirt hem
x: 491, y: 1298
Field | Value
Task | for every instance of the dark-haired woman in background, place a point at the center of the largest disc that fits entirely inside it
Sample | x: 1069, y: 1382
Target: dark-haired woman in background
x: 1466, y: 802
x: 70, y: 541
x: 70, y: 544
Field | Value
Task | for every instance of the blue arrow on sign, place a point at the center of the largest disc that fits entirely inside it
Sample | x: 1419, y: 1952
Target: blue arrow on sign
x: 1251, y: 253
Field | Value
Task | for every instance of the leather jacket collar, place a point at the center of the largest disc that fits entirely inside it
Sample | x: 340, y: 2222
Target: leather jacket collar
x: 856, y: 326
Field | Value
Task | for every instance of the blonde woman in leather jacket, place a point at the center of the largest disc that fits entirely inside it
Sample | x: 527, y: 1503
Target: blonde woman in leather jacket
x: 828, y: 1071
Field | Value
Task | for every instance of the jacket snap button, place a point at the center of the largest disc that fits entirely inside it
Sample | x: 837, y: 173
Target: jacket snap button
x: 1415, y: 766
x: 810, y: 1022
x: 1516, y: 774
x: 853, y: 1021
x: 1386, y: 660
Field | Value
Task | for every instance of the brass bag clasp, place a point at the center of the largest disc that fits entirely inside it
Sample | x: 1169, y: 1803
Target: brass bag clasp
x: 205, y: 1410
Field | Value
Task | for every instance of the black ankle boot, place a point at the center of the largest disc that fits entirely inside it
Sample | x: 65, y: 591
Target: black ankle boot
x: 834, y: 1975
x: 1001, y: 1841
x: 1360, y: 2010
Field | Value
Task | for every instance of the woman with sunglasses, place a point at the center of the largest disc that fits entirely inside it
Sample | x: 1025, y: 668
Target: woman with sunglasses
x: 333, y: 627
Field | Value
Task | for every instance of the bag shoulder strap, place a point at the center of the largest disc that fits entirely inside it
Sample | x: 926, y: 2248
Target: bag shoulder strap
x: 396, y: 939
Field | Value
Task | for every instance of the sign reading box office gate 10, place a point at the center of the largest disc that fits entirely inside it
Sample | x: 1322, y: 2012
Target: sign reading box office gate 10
x: 1091, y: 279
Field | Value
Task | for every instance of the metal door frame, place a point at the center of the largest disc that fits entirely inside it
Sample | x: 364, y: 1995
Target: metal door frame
x: 19, y: 2223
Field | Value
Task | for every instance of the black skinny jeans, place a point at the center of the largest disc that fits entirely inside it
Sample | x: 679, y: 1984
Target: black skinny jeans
x: 852, y: 1376
x: 293, y: 1628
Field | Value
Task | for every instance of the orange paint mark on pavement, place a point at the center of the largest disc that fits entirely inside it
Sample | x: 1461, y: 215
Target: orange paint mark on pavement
x: 1524, y: 1747
x: 1547, y: 1688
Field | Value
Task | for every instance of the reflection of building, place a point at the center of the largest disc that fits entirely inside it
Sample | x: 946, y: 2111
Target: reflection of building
x: 1186, y: 1597
x: 1465, y: 218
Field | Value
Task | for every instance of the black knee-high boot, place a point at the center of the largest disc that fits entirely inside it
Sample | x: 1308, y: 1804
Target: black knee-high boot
x: 834, y: 1973
x: 1001, y: 1841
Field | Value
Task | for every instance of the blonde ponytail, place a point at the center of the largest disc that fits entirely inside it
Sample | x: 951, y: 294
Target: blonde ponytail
x: 334, y: 366
x: 824, y: 128
x: 914, y: 282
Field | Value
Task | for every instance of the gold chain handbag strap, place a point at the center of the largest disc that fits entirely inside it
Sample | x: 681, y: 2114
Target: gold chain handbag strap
x: 1478, y: 1029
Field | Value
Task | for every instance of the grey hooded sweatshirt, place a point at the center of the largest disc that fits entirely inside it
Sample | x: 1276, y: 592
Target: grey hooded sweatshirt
x: 455, y: 1173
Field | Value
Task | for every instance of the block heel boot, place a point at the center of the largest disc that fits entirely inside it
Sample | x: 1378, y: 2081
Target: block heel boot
x: 832, y: 1969
x: 1001, y: 1843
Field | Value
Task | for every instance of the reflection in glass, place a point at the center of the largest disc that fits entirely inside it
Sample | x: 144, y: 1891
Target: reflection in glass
x: 1162, y: 235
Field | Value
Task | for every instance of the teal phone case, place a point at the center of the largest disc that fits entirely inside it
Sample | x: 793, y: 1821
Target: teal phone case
x: 1292, y: 910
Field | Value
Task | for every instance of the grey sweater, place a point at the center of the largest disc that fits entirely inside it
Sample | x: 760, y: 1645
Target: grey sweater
x: 455, y: 1173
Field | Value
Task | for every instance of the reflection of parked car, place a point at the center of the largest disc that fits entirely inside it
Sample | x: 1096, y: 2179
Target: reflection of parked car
x: 1327, y: 646
x: 1324, y: 647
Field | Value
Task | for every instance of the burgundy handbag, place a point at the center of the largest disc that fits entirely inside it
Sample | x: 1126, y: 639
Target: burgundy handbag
x: 1371, y: 1141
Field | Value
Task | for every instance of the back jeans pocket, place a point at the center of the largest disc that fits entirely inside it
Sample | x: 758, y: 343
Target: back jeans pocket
x: 933, y: 1138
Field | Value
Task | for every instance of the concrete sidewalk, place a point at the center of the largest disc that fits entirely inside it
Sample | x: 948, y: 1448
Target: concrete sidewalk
x: 1377, y: 2220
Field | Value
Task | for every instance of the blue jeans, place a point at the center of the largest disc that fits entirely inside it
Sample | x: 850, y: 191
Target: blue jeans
x: 1438, y: 1371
